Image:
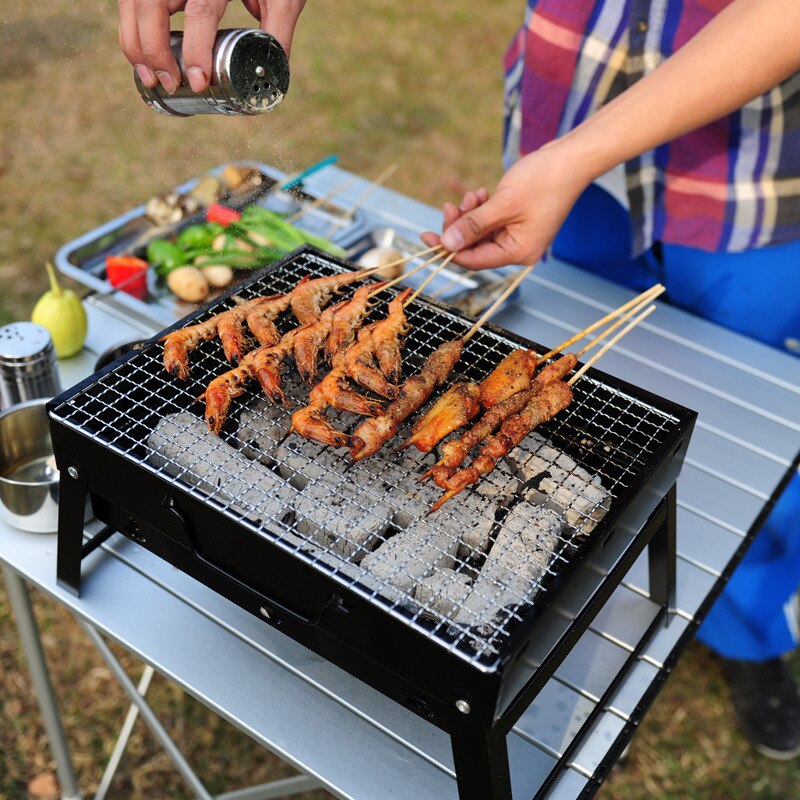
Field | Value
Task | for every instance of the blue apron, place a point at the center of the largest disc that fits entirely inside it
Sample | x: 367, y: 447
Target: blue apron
x: 756, y: 293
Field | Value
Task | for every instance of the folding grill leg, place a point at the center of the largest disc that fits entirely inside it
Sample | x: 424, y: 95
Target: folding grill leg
x: 71, y: 513
x: 481, y: 761
x: 661, y: 553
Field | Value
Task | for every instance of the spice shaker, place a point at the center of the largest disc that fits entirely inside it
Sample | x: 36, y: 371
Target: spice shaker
x: 27, y: 364
x: 249, y: 75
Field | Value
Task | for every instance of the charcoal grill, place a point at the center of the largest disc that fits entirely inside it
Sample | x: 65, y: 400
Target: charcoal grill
x: 280, y: 527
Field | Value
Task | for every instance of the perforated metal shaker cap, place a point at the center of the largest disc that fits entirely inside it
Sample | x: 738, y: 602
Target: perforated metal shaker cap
x: 24, y: 343
x: 249, y: 75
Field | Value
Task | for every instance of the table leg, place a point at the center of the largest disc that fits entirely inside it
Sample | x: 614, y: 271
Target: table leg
x: 31, y: 644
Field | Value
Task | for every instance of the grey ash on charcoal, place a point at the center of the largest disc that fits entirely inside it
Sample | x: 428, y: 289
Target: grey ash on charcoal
x: 466, y: 569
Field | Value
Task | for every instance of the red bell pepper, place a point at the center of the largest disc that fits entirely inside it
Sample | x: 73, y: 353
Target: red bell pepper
x: 222, y: 214
x: 128, y: 274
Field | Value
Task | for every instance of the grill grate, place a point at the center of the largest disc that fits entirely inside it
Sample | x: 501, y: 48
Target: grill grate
x: 367, y: 527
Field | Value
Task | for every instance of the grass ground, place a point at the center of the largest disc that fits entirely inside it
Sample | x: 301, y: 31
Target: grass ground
x: 376, y: 82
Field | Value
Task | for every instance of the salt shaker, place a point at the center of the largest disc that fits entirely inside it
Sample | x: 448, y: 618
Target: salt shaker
x: 27, y: 364
x: 249, y: 75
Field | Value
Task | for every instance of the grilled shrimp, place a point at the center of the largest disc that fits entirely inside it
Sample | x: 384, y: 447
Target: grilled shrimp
x: 220, y: 393
x: 361, y: 367
x: 231, y: 328
x: 348, y: 319
x: 267, y: 362
x: 372, y: 434
x: 178, y: 344
x: 387, y: 335
x: 335, y: 391
x: 311, y: 423
x: 309, y: 298
x: 261, y: 320
x: 309, y: 342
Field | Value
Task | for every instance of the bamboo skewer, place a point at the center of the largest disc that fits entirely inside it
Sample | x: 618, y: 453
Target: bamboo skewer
x: 610, y: 343
x: 430, y: 277
x: 620, y: 321
x: 359, y: 201
x: 413, y: 271
x: 649, y: 294
x: 320, y: 201
x: 497, y: 303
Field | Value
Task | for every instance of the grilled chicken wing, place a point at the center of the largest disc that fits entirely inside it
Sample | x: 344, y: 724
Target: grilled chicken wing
x: 456, y: 407
x: 513, y: 374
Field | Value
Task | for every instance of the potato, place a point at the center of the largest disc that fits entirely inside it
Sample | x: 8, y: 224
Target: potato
x: 378, y: 256
x: 188, y: 283
x: 217, y: 275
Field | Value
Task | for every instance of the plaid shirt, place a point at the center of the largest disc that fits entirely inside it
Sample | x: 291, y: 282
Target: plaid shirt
x: 729, y: 186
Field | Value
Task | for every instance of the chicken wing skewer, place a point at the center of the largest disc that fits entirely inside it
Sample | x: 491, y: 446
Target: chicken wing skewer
x: 544, y: 405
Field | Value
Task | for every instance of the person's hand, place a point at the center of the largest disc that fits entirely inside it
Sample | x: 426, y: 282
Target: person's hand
x: 144, y: 35
x: 517, y: 223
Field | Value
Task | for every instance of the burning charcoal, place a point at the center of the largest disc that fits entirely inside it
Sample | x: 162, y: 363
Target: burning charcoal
x: 517, y: 560
x: 183, y: 448
x: 411, y: 555
x: 347, y: 521
x: 443, y: 592
x: 582, y: 504
x: 474, y: 517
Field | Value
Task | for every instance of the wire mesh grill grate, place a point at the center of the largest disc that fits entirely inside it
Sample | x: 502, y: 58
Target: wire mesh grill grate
x: 464, y: 576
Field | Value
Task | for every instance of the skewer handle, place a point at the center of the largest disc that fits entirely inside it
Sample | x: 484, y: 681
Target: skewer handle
x: 416, y: 269
x: 497, y: 303
x: 655, y: 292
x: 609, y: 344
x: 646, y: 295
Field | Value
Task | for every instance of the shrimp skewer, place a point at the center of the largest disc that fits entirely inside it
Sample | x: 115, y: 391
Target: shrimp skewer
x: 309, y: 299
x: 387, y: 336
x: 348, y: 319
x: 178, y: 344
x: 309, y: 341
x: 360, y: 365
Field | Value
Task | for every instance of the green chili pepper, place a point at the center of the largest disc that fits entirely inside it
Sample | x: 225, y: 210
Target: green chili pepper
x: 198, y: 236
x: 165, y: 256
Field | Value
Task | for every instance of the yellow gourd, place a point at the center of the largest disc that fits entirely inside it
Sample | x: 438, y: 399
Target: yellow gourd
x: 62, y: 313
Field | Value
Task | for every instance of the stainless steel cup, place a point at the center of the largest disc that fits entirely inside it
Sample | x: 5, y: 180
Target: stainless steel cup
x: 27, y: 364
x: 28, y: 476
x: 249, y: 75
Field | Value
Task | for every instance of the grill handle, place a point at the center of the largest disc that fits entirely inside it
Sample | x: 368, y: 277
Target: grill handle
x: 271, y: 608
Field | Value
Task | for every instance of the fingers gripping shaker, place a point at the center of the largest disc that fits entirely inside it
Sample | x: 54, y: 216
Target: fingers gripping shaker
x: 249, y: 75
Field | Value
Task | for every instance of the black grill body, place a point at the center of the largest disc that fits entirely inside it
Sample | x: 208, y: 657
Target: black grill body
x: 474, y: 687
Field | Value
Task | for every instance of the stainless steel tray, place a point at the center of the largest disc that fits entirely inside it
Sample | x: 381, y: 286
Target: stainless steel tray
x: 83, y: 259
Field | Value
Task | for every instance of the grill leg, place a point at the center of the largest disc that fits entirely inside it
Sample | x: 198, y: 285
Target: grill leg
x: 71, y: 513
x: 661, y: 554
x: 481, y: 761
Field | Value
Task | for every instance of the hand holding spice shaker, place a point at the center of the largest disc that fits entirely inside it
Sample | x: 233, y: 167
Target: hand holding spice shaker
x: 249, y: 75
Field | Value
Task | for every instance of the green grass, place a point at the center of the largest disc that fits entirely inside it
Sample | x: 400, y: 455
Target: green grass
x: 382, y: 81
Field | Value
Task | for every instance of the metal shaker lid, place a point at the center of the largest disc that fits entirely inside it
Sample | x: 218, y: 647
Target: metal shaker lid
x: 252, y: 69
x: 23, y: 343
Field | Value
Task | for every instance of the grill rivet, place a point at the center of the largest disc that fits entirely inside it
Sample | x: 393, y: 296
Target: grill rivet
x: 264, y: 612
x: 463, y: 706
x: 72, y: 472
x: 260, y: 71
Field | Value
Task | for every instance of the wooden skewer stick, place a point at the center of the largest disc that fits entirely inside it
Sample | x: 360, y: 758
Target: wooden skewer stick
x: 430, y: 277
x: 620, y: 321
x: 497, y: 303
x: 358, y: 202
x: 320, y: 201
x: 609, y: 344
x: 405, y: 259
x: 413, y: 271
x: 599, y: 324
